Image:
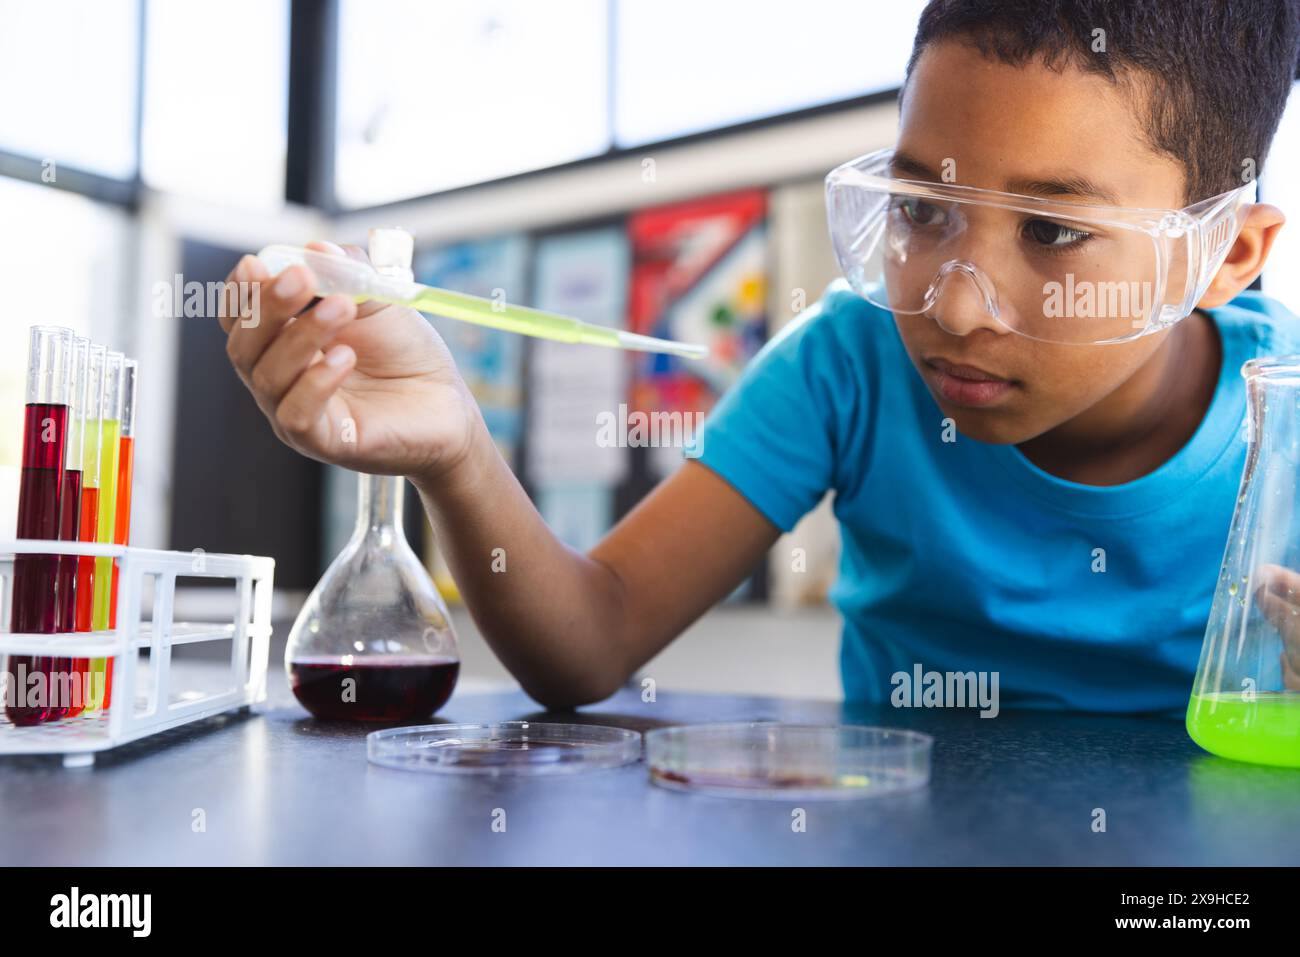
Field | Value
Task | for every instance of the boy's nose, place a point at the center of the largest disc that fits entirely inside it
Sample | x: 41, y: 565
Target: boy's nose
x: 963, y: 299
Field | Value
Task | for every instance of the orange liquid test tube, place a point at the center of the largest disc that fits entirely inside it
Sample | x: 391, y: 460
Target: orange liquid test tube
x: 122, y: 515
x: 85, y: 591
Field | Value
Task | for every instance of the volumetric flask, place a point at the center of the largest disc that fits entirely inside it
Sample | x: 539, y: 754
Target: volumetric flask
x: 374, y: 641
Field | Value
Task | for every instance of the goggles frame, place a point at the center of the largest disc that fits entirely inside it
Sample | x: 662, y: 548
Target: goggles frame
x: 1206, y: 231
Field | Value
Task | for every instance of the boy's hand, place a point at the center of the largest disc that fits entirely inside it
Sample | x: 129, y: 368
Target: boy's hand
x: 372, y: 387
x: 1279, y: 599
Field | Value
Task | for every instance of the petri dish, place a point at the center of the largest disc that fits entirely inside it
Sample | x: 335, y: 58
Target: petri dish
x: 506, y: 747
x: 788, y: 761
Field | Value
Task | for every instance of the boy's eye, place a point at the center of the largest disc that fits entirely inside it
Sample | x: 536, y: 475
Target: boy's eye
x: 1044, y: 232
x: 918, y: 212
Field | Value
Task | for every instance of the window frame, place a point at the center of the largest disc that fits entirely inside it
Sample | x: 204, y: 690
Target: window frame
x: 323, y: 191
x: 122, y: 193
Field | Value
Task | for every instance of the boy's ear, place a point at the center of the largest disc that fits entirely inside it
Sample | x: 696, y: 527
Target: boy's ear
x: 1247, y: 256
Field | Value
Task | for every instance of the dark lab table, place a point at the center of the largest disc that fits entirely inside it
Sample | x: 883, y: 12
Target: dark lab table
x: 276, y: 787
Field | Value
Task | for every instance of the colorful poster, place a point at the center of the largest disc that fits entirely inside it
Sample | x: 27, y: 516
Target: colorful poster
x: 490, y: 361
x: 571, y: 387
x: 699, y: 274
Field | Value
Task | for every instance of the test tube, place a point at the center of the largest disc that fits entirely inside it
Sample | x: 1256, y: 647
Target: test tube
x: 89, y: 519
x: 122, y: 512
x: 35, y: 577
x: 62, y: 673
x: 90, y: 485
x: 110, y: 429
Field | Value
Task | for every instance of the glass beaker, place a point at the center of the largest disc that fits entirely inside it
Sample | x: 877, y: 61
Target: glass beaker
x: 1245, y: 702
x: 374, y: 641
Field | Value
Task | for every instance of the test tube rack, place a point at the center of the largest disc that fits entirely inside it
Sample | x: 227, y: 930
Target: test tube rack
x: 146, y: 698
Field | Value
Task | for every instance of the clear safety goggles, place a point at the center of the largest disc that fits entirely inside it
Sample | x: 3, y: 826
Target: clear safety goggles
x: 1050, y: 270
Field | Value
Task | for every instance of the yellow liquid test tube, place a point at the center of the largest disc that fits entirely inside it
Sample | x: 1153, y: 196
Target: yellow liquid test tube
x: 109, y: 425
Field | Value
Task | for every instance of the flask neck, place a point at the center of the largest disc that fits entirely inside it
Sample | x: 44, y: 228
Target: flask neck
x: 379, y: 507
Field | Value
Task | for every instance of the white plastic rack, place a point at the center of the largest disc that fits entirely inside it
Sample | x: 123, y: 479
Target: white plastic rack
x: 147, y: 697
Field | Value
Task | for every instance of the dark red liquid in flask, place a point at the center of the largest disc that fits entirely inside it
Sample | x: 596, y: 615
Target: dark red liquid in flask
x: 385, y: 689
x: 35, y: 589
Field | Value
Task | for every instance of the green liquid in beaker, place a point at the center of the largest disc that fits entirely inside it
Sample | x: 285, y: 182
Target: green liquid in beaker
x: 1262, y: 730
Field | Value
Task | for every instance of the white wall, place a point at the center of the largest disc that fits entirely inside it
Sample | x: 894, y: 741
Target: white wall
x: 767, y: 156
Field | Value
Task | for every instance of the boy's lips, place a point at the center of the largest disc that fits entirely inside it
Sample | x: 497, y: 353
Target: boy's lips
x: 965, y: 384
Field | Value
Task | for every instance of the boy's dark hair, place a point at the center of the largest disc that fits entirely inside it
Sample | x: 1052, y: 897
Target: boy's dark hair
x: 1217, y: 72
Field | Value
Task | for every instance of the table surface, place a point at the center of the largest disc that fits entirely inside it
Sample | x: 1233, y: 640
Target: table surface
x: 276, y: 787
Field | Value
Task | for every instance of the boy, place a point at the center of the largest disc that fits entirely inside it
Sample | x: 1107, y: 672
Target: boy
x: 1040, y: 495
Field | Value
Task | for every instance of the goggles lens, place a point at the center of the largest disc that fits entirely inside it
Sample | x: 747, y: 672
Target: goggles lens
x: 1058, y: 272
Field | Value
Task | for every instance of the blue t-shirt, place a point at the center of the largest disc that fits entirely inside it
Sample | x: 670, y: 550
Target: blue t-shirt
x: 963, y: 556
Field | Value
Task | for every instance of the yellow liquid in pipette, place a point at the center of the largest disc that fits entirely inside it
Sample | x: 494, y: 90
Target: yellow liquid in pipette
x: 348, y: 277
x: 504, y: 316
x: 525, y: 321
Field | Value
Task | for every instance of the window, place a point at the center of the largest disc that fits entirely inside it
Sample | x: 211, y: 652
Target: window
x: 1278, y: 186
x: 215, y: 105
x: 63, y: 262
x: 70, y: 69
x: 435, y: 96
x: 683, y: 66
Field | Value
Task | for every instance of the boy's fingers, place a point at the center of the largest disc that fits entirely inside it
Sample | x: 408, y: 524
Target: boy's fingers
x: 334, y: 249
x: 324, y: 246
x: 1282, y: 581
x: 370, y: 306
x: 367, y: 308
x: 277, y: 302
x: 1290, y: 645
x: 1290, y: 675
x: 1283, y: 616
x: 237, y: 296
x: 297, y: 346
x: 1277, y: 611
x: 301, y: 413
x: 1291, y: 662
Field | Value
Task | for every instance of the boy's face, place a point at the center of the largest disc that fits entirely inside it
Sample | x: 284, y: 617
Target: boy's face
x: 1003, y: 124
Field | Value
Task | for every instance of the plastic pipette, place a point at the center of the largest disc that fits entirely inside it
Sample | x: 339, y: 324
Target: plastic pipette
x: 336, y: 274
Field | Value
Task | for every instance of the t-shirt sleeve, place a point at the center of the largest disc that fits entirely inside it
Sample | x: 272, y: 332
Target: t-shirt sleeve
x: 773, y: 436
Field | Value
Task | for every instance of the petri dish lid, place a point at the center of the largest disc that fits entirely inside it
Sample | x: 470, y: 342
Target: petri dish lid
x: 785, y: 761
x: 506, y: 747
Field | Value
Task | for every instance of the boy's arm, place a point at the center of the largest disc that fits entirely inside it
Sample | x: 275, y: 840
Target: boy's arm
x: 571, y: 627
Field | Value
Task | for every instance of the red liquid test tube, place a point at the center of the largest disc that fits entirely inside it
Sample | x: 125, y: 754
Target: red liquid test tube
x: 35, y: 608
x: 65, y: 695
